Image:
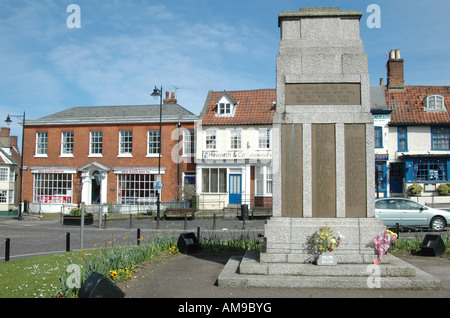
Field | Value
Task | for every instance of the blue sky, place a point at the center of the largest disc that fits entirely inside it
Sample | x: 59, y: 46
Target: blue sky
x: 126, y: 47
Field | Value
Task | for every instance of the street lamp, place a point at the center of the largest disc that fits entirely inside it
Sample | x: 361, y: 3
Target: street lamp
x: 158, y: 93
x: 8, y: 121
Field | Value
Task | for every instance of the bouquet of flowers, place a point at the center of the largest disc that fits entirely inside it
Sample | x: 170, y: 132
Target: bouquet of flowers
x: 76, y: 211
x: 382, y: 242
x: 326, y: 239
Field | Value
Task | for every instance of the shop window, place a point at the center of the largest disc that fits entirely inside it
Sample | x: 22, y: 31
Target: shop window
x: 134, y: 189
x: 52, y: 187
x: 214, y: 180
x: 4, y: 196
x: 430, y: 170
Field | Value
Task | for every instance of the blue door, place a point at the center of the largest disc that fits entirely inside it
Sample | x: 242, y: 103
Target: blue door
x: 235, y: 192
x: 396, y: 178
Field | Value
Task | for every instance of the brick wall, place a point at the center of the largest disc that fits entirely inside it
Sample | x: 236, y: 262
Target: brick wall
x: 110, y: 154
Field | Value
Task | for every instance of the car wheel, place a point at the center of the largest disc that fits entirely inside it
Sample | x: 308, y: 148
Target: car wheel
x: 437, y: 223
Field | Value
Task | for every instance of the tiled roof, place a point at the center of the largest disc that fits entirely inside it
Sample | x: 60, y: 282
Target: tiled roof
x: 114, y: 114
x: 408, y: 106
x: 254, y: 107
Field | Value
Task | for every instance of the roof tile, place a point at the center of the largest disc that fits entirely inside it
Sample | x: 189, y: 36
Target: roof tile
x: 254, y: 107
x: 408, y: 107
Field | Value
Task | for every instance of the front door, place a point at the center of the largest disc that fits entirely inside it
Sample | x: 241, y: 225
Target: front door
x: 396, y: 178
x: 235, y: 192
x: 96, y: 188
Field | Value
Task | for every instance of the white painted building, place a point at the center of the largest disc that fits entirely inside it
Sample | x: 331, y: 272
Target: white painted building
x: 234, y: 149
x: 412, y: 138
x: 9, y: 172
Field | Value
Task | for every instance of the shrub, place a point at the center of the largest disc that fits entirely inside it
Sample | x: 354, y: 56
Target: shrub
x: 414, y: 189
x: 444, y: 189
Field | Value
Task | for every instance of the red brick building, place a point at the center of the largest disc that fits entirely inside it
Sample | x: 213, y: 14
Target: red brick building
x: 108, y: 154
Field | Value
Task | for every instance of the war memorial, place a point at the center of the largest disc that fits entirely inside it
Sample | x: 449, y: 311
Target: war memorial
x: 323, y: 164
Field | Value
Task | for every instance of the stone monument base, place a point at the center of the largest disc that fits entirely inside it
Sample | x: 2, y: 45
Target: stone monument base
x: 286, y: 261
x: 248, y: 271
x: 286, y: 239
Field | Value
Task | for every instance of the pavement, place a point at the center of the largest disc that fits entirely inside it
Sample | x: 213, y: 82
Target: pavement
x: 195, y: 276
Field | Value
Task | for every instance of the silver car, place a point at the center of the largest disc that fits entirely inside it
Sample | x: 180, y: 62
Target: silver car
x: 409, y: 213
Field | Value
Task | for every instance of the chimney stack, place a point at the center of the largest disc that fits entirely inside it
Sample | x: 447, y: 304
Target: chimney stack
x: 171, y: 100
x: 395, y: 74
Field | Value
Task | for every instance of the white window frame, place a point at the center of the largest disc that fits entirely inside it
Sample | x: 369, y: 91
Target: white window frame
x: 264, y: 138
x: 96, y: 143
x: 188, y: 143
x: 224, y: 109
x: 236, y: 139
x: 211, y: 139
x: 67, y: 139
x: 125, y: 143
x: 4, y: 174
x: 52, y: 187
x: 263, y: 181
x: 153, y: 136
x: 134, y: 189
x: 41, y: 144
x: 217, y: 185
x: 10, y: 196
x: 434, y: 103
x: 4, y: 197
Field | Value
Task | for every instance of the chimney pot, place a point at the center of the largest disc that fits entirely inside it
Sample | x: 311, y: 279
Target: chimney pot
x: 392, y: 55
x: 395, y: 76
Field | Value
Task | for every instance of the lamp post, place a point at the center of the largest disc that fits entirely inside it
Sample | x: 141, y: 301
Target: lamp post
x: 158, y: 92
x: 8, y: 121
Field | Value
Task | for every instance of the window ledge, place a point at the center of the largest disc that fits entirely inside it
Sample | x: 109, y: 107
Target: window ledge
x: 41, y: 156
x: 95, y: 156
x: 125, y: 155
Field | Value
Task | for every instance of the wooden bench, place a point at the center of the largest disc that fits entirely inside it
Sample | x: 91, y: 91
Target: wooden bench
x: 179, y: 213
x: 261, y: 212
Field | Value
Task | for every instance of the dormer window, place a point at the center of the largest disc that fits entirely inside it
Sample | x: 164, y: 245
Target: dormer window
x: 224, y: 109
x: 434, y: 103
x: 225, y: 105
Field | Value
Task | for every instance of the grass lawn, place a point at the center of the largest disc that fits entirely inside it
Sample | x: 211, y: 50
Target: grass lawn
x: 51, y: 276
x: 47, y: 276
x: 37, y: 277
